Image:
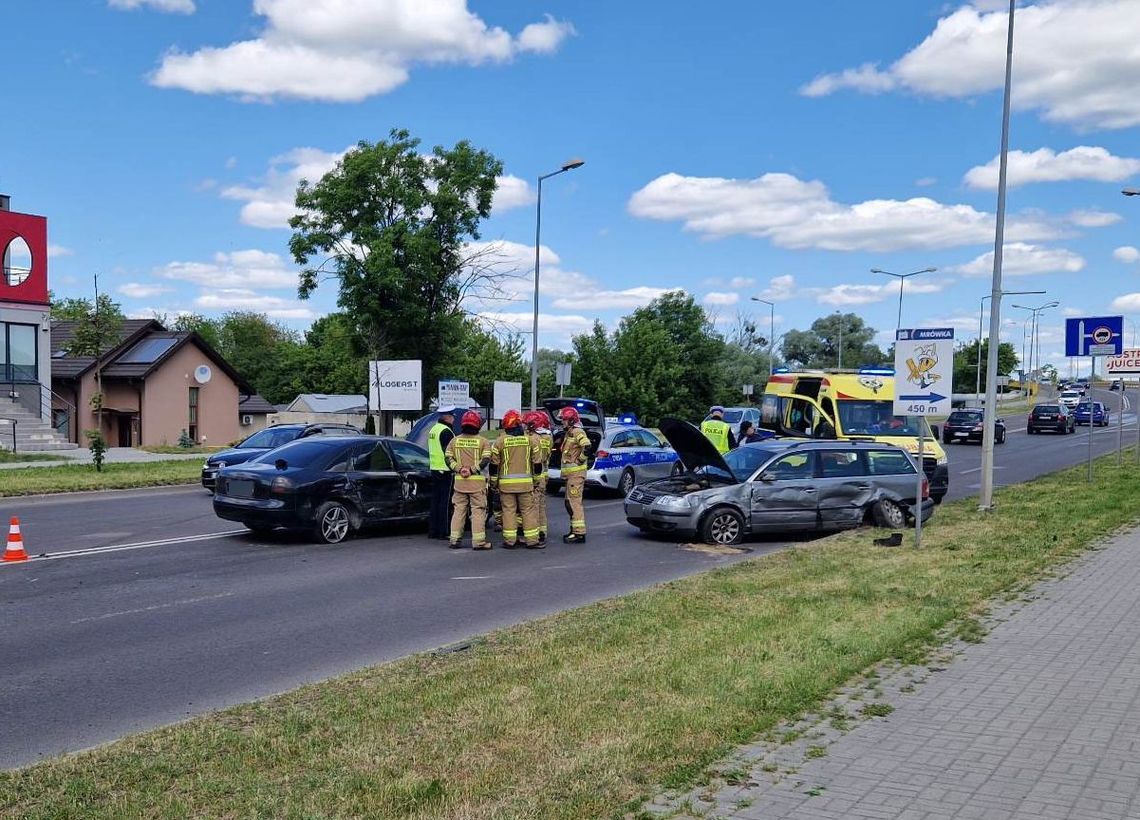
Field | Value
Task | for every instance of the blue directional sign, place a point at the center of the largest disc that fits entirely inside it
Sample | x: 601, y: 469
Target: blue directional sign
x: 1094, y: 336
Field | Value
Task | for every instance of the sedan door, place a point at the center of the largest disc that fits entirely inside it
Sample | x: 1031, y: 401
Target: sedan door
x: 844, y: 487
x: 415, y: 478
x: 784, y: 495
x: 655, y: 459
x: 373, y: 475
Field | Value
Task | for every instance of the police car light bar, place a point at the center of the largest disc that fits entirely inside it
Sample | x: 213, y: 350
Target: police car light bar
x: 629, y: 418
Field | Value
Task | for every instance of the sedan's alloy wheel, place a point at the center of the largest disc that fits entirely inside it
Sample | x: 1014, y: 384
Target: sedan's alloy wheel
x: 334, y: 524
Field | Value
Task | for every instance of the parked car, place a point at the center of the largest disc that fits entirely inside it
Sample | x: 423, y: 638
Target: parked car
x: 1094, y: 411
x: 1071, y: 398
x: 265, y: 440
x: 778, y: 485
x: 1117, y: 384
x: 966, y: 425
x: 330, y: 486
x: 628, y: 455
x: 1054, y: 418
x: 593, y: 422
x: 735, y: 416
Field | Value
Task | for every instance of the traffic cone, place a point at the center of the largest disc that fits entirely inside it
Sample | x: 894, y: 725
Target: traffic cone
x: 15, y: 548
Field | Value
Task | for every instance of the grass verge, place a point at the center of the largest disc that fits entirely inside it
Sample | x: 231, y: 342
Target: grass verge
x: 585, y: 714
x: 8, y: 457
x: 71, y: 478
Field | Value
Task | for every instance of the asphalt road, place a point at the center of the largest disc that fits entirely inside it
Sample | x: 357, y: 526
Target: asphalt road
x: 147, y: 609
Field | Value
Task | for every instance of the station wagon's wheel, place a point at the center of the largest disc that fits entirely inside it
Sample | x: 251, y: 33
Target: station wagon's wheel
x: 888, y: 514
x: 333, y: 523
x: 724, y: 527
x: 627, y: 481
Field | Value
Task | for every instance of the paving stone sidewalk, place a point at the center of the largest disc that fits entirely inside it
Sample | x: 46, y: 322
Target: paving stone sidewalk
x: 1039, y: 720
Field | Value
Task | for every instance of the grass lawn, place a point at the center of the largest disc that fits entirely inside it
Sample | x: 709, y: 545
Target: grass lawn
x: 74, y: 477
x: 587, y: 713
x: 8, y: 457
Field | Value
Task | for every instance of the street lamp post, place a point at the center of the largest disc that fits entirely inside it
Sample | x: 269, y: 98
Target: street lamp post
x: 839, y: 364
x: 568, y: 166
x: 902, y: 277
x: 771, y: 331
x: 981, y: 307
x: 1033, y: 337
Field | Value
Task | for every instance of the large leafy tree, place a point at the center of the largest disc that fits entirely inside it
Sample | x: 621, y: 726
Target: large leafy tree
x: 966, y: 364
x: 483, y: 357
x: 392, y: 225
x: 819, y: 346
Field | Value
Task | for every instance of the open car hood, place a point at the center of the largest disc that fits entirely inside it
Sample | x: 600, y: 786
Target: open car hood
x: 692, y: 447
x: 552, y: 406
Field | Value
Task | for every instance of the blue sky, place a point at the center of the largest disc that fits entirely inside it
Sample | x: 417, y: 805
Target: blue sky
x: 780, y: 150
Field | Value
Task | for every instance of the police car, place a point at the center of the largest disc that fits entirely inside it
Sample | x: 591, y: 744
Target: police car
x: 627, y: 454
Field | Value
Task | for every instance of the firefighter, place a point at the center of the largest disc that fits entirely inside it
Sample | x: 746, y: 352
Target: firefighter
x: 575, y: 447
x: 538, y: 430
x: 718, y: 431
x: 515, y: 462
x: 467, y: 456
x: 439, y: 437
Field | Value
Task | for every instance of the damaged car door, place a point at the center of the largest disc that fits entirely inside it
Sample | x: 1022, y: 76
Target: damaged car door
x: 844, y: 488
x: 784, y: 494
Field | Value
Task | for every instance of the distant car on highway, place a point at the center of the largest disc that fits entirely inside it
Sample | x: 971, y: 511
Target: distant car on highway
x: 1055, y: 418
x: 1082, y: 385
x: 1117, y: 384
x: 1094, y: 411
x: 1070, y: 398
x: 966, y: 425
x: 779, y: 485
x: 330, y: 486
x: 265, y: 440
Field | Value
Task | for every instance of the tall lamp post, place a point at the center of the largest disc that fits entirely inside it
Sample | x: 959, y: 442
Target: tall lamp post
x: 1034, y: 313
x: 771, y: 331
x: 902, y: 277
x: 981, y: 307
x: 568, y: 166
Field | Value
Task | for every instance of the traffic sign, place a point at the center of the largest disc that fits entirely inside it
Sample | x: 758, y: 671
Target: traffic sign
x: 924, y: 367
x: 1094, y: 336
x: 1127, y: 363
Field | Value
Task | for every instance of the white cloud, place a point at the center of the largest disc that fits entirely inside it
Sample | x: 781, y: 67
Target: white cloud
x: 780, y: 288
x: 1128, y: 303
x: 240, y: 269
x: 741, y: 282
x: 56, y: 251
x: 613, y: 299
x: 1074, y: 311
x: 140, y: 290
x: 926, y: 182
x: 868, y: 294
x: 348, y: 50
x: 1126, y: 254
x: 175, y: 6
x: 1093, y: 218
x: 1046, y: 165
x: 797, y: 214
x: 1022, y: 259
x: 1075, y: 60
x: 222, y: 299
x: 720, y: 299
x: 270, y: 203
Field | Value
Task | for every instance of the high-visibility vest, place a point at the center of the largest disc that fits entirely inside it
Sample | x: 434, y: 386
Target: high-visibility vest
x: 468, y: 451
x: 716, y: 431
x: 436, y: 455
x: 574, y: 446
x: 514, y: 457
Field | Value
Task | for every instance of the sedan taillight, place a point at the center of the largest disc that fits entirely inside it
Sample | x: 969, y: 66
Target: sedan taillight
x: 925, y: 489
x: 281, y: 485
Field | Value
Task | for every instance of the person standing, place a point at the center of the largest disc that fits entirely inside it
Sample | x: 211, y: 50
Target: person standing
x: 575, y: 447
x: 717, y: 430
x: 439, y: 437
x: 538, y: 431
x: 750, y: 435
x: 467, y: 456
x: 514, y: 463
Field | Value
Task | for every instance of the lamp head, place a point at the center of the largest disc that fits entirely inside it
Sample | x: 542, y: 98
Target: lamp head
x: 570, y: 165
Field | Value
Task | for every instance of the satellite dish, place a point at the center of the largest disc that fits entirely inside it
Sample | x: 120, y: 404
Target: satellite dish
x: 203, y: 373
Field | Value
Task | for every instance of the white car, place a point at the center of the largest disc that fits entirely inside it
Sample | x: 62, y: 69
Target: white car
x: 1070, y: 398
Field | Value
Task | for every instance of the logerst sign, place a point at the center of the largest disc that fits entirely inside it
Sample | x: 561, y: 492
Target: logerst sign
x: 1126, y: 363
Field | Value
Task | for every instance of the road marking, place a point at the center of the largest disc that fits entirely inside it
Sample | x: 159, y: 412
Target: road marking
x: 164, y: 542
x: 471, y: 577
x: 152, y: 608
x: 977, y: 470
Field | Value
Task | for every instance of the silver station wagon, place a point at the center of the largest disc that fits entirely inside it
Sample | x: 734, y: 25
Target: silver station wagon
x: 780, y: 485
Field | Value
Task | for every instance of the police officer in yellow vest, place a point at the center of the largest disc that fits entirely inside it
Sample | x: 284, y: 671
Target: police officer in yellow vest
x: 514, y: 463
x: 576, y: 446
x: 467, y: 455
x: 439, y: 437
x: 718, y: 431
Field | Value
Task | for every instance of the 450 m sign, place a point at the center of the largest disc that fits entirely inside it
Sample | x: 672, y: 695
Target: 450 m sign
x: 924, y: 367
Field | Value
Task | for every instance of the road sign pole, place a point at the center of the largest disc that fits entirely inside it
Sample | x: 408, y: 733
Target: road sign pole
x: 921, y: 478
x: 1120, y: 429
x: 1092, y: 360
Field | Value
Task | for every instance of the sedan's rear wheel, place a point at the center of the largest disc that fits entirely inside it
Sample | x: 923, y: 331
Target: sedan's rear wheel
x: 627, y: 481
x: 888, y: 514
x: 333, y: 523
x: 724, y: 527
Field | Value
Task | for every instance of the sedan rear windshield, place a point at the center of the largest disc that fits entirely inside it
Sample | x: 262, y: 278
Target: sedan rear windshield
x: 963, y: 418
x: 1046, y: 408
x: 309, y: 452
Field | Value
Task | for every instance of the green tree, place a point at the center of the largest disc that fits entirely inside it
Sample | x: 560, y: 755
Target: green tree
x: 392, y: 226
x: 208, y: 329
x: 745, y: 361
x: 267, y: 353
x: 819, y: 346
x: 966, y: 364
x: 548, y: 361
x: 483, y: 357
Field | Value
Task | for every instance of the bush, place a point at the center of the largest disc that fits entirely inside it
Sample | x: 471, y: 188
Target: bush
x: 184, y: 440
x: 98, y: 447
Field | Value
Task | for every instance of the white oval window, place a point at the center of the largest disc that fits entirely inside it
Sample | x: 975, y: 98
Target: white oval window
x: 17, y: 262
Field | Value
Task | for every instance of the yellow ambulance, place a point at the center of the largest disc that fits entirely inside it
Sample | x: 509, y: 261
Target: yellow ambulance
x: 851, y: 404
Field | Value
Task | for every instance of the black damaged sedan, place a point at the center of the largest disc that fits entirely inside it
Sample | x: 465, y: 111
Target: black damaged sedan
x: 329, y: 486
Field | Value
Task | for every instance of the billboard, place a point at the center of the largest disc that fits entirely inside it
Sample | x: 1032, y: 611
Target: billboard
x: 395, y: 385
x: 508, y: 396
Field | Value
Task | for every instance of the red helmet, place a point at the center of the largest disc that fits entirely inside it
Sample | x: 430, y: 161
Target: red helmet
x: 533, y: 419
x: 541, y: 419
x: 471, y: 419
x: 511, y: 419
x: 569, y: 415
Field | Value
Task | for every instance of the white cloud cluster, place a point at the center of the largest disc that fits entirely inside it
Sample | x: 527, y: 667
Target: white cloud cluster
x: 223, y: 299
x: 847, y: 295
x: 173, y: 6
x: 240, y: 269
x: 1075, y: 60
x: 270, y: 203
x: 720, y: 299
x: 780, y: 288
x: 1046, y: 165
x: 348, y: 50
x: 1126, y: 254
x: 1093, y: 218
x: 142, y: 290
x: 1127, y: 303
x: 1024, y: 259
x: 793, y: 213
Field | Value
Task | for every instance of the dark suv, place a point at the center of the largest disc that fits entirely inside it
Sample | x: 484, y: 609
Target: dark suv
x: 966, y: 426
x: 1053, y: 417
x: 265, y: 440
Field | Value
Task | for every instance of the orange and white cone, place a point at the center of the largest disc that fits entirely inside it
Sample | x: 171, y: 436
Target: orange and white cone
x: 15, y: 548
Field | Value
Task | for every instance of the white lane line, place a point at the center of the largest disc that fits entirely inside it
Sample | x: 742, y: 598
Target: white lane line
x: 85, y: 553
x: 152, y: 608
x: 471, y: 577
x: 978, y: 470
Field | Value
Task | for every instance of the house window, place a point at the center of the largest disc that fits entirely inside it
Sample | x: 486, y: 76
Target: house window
x: 192, y: 428
x: 19, y: 357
